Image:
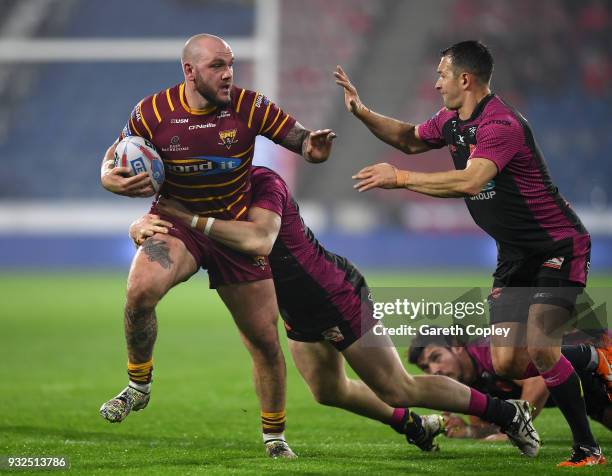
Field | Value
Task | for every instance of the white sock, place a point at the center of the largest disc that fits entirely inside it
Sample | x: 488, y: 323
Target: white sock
x: 141, y: 387
x: 273, y: 436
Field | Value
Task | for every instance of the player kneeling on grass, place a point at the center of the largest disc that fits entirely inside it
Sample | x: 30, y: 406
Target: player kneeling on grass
x: 321, y: 296
x: 472, y: 365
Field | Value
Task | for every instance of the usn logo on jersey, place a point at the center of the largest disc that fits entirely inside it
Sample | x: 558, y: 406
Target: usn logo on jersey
x: 206, y: 166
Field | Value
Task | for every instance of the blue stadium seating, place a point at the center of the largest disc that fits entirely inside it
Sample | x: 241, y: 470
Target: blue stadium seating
x: 163, y: 18
x: 75, y: 110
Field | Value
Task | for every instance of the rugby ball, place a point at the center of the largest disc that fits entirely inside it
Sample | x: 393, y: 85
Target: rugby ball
x: 139, y: 155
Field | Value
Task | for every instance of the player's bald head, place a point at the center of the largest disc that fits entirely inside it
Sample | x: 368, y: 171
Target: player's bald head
x: 208, y: 64
x: 203, y: 45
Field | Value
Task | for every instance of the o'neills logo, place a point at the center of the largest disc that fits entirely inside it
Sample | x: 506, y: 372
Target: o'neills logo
x: 228, y: 137
x: 202, y: 126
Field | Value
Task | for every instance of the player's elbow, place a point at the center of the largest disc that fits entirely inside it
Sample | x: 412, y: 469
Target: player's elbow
x: 470, y: 187
x: 405, y: 146
x: 259, y: 245
x: 263, y: 246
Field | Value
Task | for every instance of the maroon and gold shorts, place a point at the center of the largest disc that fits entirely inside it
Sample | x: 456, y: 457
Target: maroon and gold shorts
x: 224, y: 265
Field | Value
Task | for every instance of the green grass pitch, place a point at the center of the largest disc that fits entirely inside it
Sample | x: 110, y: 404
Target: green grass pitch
x: 62, y: 354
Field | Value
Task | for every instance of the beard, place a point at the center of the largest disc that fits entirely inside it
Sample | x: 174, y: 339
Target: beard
x: 209, y: 93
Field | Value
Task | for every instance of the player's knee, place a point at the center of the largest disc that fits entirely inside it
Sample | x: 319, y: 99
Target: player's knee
x: 329, y: 395
x: 265, y: 347
x: 506, y: 364
x: 508, y: 369
x: 142, y: 295
x: 543, y: 357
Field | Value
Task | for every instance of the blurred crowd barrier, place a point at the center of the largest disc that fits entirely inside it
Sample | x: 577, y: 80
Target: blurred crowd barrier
x: 553, y: 62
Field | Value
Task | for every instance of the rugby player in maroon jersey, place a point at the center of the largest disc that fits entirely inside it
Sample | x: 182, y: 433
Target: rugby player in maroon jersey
x: 324, y: 302
x: 502, y: 175
x: 470, y: 363
x: 204, y: 129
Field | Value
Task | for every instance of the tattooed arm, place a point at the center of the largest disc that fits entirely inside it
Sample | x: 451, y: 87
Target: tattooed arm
x: 314, y: 146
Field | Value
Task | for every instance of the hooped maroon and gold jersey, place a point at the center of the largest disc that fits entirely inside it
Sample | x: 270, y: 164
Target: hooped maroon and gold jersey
x: 207, y: 153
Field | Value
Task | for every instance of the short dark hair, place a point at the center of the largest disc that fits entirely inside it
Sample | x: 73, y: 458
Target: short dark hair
x: 421, y: 341
x: 473, y: 57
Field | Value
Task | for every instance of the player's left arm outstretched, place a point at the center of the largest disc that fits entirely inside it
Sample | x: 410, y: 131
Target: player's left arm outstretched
x: 415, y: 139
x: 399, y: 134
x: 452, y: 183
x: 314, y: 146
x: 457, y: 427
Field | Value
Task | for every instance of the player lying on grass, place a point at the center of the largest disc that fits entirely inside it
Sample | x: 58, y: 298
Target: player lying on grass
x: 543, y: 249
x: 471, y: 364
x: 324, y: 301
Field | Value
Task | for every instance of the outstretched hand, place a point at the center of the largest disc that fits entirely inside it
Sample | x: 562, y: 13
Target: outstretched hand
x: 318, y: 145
x: 380, y: 175
x: 456, y: 427
x: 351, y: 97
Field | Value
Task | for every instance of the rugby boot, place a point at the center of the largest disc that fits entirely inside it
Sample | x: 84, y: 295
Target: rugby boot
x: 279, y: 449
x: 584, y: 456
x: 604, y: 368
x: 432, y: 426
x: 521, y: 431
x: 118, y: 408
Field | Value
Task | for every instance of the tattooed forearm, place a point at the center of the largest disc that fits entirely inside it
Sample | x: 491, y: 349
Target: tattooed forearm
x: 157, y: 251
x: 296, y: 139
x: 140, y: 333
